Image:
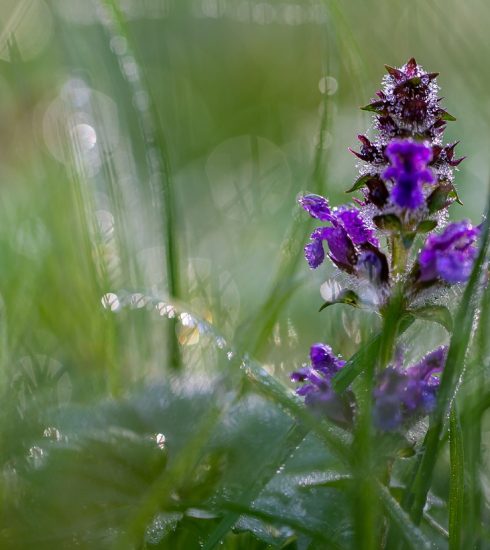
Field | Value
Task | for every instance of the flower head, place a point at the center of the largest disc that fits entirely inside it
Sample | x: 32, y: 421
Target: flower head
x: 450, y: 255
x: 402, y: 394
x: 316, y: 388
x: 347, y: 236
x: 409, y: 171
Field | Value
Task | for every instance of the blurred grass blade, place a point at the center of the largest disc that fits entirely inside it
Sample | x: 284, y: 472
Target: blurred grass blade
x: 161, y: 180
x: 356, y: 364
x: 456, y: 485
x: 412, y: 535
x: 453, y: 369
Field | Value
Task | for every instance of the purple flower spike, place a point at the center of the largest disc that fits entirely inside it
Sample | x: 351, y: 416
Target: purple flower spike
x: 450, y: 255
x: 316, y: 206
x: 409, y: 170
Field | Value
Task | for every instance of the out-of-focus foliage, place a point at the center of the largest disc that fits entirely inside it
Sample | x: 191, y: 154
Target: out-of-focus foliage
x: 153, y: 293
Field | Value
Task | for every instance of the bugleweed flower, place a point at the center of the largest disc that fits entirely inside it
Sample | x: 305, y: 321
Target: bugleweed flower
x: 406, y: 178
x: 349, y: 237
x: 316, y: 388
x: 403, y: 395
x: 409, y: 171
x: 450, y: 255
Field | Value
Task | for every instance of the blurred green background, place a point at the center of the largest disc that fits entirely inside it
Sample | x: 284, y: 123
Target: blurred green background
x: 152, y: 151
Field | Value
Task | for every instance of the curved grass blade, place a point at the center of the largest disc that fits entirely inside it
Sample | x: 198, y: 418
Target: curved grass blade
x: 356, y: 364
x: 326, y: 538
x: 453, y: 370
x: 456, y: 485
x: 412, y: 535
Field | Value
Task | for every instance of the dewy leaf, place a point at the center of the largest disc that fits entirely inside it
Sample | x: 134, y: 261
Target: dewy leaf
x: 360, y: 182
x: 435, y: 313
x: 345, y: 297
x: 388, y: 222
x: 426, y: 226
x: 444, y: 115
x: 456, y: 484
x: 373, y: 107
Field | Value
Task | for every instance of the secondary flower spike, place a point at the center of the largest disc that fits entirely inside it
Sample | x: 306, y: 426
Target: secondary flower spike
x: 409, y: 171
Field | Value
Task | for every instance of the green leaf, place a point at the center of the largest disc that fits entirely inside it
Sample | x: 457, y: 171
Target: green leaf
x: 453, y: 194
x: 413, y: 536
x: 426, y: 226
x: 438, y: 199
x: 436, y: 314
x: 444, y: 115
x: 388, y: 222
x: 345, y: 297
x: 360, y: 182
x: 456, y: 484
x: 371, y: 107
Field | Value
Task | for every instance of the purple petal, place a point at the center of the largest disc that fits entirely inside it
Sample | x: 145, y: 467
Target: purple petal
x: 342, y: 250
x: 449, y: 255
x: 356, y: 227
x: 316, y: 206
x: 314, y: 253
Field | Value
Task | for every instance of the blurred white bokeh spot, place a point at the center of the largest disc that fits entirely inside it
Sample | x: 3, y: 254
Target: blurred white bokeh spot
x: 81, y: 125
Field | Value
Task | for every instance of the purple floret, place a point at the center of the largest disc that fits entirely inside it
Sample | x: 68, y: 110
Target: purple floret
x: 405, y: 394
x: 347, y: 230
x: 316, y: 388
x: 409, y: 171
x: 450, y: 255
x: 356, y: 227
x: 316, y: 206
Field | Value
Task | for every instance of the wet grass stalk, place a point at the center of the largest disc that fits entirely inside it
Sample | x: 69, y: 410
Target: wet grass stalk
x: 161, y: 183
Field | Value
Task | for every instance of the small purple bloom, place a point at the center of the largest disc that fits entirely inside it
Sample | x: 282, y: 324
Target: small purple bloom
x: 316, y: 388
x: 347, y: 230
x: 409, y: 171
x: 450, y: 255
x: 316, y: 206
x: 342, y: 250
x: 403, y: 394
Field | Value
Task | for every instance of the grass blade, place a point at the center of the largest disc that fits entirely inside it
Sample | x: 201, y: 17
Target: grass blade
x: 454, y: 367
x: 456, y: 486
x: 412, y: 535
